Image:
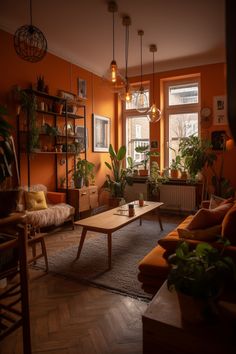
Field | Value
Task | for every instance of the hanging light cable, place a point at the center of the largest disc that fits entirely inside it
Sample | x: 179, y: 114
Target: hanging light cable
x: 112, y: 7
x: 126, y: 96
x: 154, y: 113
x: 141, y: 99
x: 29, y: 42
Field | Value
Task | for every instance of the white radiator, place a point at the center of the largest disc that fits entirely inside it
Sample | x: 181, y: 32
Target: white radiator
x: 178, y: 197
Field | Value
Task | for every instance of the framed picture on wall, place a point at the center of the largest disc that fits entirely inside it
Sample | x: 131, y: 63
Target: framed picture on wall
x: 220, y: 110
x: 82, y: 88
x: 101, y: 133
x: 218, y: 139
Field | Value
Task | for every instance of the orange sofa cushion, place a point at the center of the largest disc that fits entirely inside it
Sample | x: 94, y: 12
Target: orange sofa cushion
x: 208, y: 234
x: 205, y: 218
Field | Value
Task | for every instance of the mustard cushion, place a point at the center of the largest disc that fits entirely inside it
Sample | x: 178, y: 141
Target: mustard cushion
x: 205, y: 218
x: 35, y: 201
x: 208, y: 234
x: 229, y: 225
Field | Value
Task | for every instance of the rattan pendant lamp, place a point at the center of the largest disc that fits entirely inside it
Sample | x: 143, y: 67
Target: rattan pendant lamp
x: 154, y: 113
x: 29, y: 42
x: 141, y: 99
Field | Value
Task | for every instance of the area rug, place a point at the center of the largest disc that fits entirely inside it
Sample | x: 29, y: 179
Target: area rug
x: 129, y: 245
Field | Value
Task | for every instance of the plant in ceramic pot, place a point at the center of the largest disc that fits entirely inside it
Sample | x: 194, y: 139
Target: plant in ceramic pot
x: 83, y: 173
x: 199, y: 277
x: 8, y: 194
x: 146, y: 153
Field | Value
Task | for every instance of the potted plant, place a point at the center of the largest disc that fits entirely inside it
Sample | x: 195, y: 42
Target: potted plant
x: 132, y: 166
x: 83, y: 173
x: 8, y: 195
x: 196, y: 154
x: 145, y: 150
x: 115, y: 183
x: 199, y: 277
x: 155, y: 180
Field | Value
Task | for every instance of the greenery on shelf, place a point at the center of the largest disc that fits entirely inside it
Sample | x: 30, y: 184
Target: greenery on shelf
x: 147, y: 154
x: 202, y: 272
x: 28, y: 104
x: 156, y: 179
x: 116, y: 182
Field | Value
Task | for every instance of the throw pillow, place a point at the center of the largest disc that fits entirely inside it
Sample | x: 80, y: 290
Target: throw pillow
x: 208, y: 234
x: 35, y: 201
x: 205, y: 218
x: 169, y: 244
x: 215, y: 201
x: 229, y: 225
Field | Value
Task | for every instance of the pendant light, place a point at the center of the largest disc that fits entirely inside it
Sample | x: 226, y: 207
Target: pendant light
x: 154, y: 113
x: 29, y: 42
x: 141, y: 99
x: 112, y: 7
x: 126, y: 95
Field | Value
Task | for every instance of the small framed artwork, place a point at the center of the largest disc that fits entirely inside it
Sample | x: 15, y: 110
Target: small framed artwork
x: 220, y: 110
x: 101, y: 133
x: 218, y: 139
x: 81, y: 136
x: 82, y: 88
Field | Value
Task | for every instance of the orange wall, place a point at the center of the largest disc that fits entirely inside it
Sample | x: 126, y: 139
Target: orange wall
x: 58, y: 74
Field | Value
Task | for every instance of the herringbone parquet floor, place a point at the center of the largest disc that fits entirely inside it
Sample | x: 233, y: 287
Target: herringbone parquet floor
x: 70, y: 318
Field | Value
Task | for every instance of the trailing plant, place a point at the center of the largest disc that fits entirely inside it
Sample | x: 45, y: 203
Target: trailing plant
x: 156, y: 179
x: 202, y: 272
x: 116, y: 182
x: 29, y: 105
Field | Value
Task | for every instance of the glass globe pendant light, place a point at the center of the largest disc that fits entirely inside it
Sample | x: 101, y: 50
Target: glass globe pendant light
x: 141, y: 98
x: 154, y: 113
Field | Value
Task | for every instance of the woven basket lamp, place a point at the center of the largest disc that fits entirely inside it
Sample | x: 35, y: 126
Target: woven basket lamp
x: 29, y: 42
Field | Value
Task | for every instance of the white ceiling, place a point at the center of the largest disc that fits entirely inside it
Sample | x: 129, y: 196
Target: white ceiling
x: 187, y: 32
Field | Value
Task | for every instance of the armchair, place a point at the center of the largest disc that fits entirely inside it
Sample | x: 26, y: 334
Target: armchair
x: 50, y: 210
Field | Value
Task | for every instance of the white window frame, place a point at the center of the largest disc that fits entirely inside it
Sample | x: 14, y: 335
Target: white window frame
x: 179, y: 109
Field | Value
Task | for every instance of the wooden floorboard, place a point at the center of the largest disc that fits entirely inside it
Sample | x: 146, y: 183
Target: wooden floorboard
x: 70, y: 318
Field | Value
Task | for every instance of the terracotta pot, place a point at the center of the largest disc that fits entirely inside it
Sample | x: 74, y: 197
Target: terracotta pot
x: 114, y: 202
x: 143, y: 172
x: 184, y: 175
x: 174, y: 174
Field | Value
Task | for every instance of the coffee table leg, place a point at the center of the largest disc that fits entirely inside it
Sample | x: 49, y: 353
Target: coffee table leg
x: 84, y: 231
x: 109, y: 241
x: 159, y: 219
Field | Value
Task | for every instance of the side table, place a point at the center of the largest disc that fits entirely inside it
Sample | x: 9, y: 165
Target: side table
x: 164, y: 332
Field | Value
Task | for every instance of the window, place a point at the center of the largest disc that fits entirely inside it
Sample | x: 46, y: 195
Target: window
x: 136, y: 126
x: 181, y: 114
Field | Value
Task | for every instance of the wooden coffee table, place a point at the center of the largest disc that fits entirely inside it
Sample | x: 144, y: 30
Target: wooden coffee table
x: 112, y: 220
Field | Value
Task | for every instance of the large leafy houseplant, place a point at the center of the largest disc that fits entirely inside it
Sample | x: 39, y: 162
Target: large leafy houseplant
x: 115, y: 183
x: 196, y: 154
x: 147, y: 153
x: 201, y: 273
x: 83, y: 173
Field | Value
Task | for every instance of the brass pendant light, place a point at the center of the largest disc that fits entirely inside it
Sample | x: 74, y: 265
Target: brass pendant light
x: 112, y: 7
x: 154, y: 113
x: 141, y: 99
x: 126, y: 95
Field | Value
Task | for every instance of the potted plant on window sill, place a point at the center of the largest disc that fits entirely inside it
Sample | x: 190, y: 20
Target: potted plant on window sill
x: 199, y: 277
x: 145, y: 150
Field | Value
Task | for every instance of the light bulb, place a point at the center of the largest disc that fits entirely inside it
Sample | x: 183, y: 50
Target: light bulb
x: 113, y: 70
x: 154, y: 114
x: 141, y: 101
x: 128, y: 96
